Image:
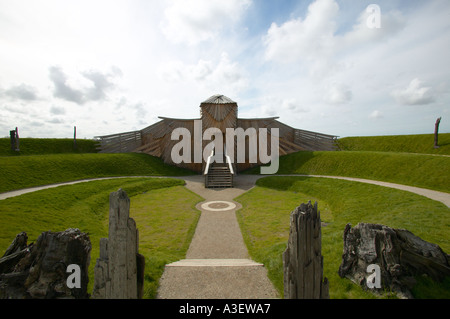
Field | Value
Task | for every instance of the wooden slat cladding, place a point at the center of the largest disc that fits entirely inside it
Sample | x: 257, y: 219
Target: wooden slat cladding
x: 220, y: 116
x: 312, y: 141
x: 222, y: 113
x: 120, y: 143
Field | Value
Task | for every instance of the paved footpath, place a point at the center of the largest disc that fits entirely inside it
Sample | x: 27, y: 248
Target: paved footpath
x: 217, y: 263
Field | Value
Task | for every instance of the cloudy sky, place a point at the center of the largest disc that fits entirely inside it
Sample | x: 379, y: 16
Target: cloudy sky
x: 322, y: 65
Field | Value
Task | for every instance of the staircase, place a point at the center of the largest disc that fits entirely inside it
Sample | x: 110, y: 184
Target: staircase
x: 219, y: 176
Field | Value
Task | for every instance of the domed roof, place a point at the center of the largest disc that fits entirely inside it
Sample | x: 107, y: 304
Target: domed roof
x: 219, y: 99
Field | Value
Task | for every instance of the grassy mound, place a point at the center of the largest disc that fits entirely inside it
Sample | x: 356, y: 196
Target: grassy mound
x: 159, y: 207
x: 264, y: 222
x: 399, y: 143
x: 419, y: 170
x: 42, y: 146
x: 28, y: 171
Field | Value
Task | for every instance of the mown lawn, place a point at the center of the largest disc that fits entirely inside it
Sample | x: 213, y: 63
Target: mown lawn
x: 166, y: 219
x: 420, y: 170
x: 17, y: 172
x: 423, y: 143
x: 163, y: 209
x: 264, y: 221
x: 45, y: 146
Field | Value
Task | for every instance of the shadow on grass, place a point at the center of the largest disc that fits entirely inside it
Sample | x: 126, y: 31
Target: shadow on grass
x: 287, y: 162
x: 281, y: 183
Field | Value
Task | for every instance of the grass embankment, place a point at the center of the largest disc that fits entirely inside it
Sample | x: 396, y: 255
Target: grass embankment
x: 398, y: 143
x: 43, y: 146
x: 418, y: 170
x: 28, y: 171
x: 159, y: 207
x: 264, y: 222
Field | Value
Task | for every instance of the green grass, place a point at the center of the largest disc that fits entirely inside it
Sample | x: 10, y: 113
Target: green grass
x: 166, y: 221
x: 43, y: 146
x: 264, y: 221
x: 418, y: 170
x: 159, y: 207
x: 398, y: 143
x: 28, y: 171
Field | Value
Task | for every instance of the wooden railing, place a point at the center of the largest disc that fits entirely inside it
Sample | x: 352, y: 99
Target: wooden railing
x: 312, y: 141
x: 119, y: 143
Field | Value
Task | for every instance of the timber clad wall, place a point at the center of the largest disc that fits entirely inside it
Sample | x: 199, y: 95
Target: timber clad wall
x: 220, y: 112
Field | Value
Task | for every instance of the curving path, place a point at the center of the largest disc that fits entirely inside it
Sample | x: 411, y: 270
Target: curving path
x: 217, y: 263
x: 248, y: 181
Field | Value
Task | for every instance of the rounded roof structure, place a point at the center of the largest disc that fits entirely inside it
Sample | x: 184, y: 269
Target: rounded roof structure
x: 219, y: 99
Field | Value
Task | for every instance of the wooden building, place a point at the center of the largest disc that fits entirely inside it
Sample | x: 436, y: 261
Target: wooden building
x: 219, y: 112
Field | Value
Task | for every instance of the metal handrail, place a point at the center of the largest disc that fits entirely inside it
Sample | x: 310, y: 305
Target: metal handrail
x: 228, y: 160
x: 208, y: 162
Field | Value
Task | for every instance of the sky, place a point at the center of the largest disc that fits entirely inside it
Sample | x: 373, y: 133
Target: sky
x: 329, y: 66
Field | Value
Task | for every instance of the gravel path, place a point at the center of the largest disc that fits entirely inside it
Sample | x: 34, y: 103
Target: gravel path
x: 217, y: 264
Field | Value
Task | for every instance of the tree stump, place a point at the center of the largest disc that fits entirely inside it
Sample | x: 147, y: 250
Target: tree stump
x: 398, y: 253
x: 303, y: 260
x: 38, y: 271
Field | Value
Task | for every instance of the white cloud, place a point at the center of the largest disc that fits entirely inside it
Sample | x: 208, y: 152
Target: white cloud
x: 314, y: 41
x: 57, y: 110
x: 391, y: 23
x: 293, y: 105
x: 194, y: 21
x: 415, y: 94
x: 174, y: 54
x: 91, y: 85
x: 22, y: 92
x: 338, y: 94
x: 299, y: 39
x: 224, y: 75
x: 376, y: 115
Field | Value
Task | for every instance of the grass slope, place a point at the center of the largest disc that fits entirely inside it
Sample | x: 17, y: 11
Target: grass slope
x: 159, y: 207
x: 264, y: 221
x: 42, y: 146
x: 419, y: 170
x: 398, y: 143
x: 28, y: 171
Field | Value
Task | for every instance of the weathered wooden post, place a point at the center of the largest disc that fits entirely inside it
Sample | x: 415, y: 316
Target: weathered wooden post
x: 14, y: 136
x: 436, y: 132
x: 74, y: 137
x: 17, y: 140
x: 302, y: 260
x: 120, y: 265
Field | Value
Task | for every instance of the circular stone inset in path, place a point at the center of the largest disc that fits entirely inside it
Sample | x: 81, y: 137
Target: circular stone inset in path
x: 218, y: 206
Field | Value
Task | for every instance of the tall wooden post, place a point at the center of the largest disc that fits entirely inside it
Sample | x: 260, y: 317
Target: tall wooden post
x: 436, y: 132
x: 14, y: 136
x: 74, y: 137
x: 302, y: 260
x: 17, y: 140
x: 119, y: 272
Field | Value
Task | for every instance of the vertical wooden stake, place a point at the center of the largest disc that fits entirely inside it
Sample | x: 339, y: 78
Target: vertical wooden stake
x: 436, y: 132
x: 75, y: 137
x: 12, y: 135
x: 17, y: 140
x: 302, y: 260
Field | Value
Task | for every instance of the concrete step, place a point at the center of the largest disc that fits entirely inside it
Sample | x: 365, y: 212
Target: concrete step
x: 216, y: 282
x: 214, y: 263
